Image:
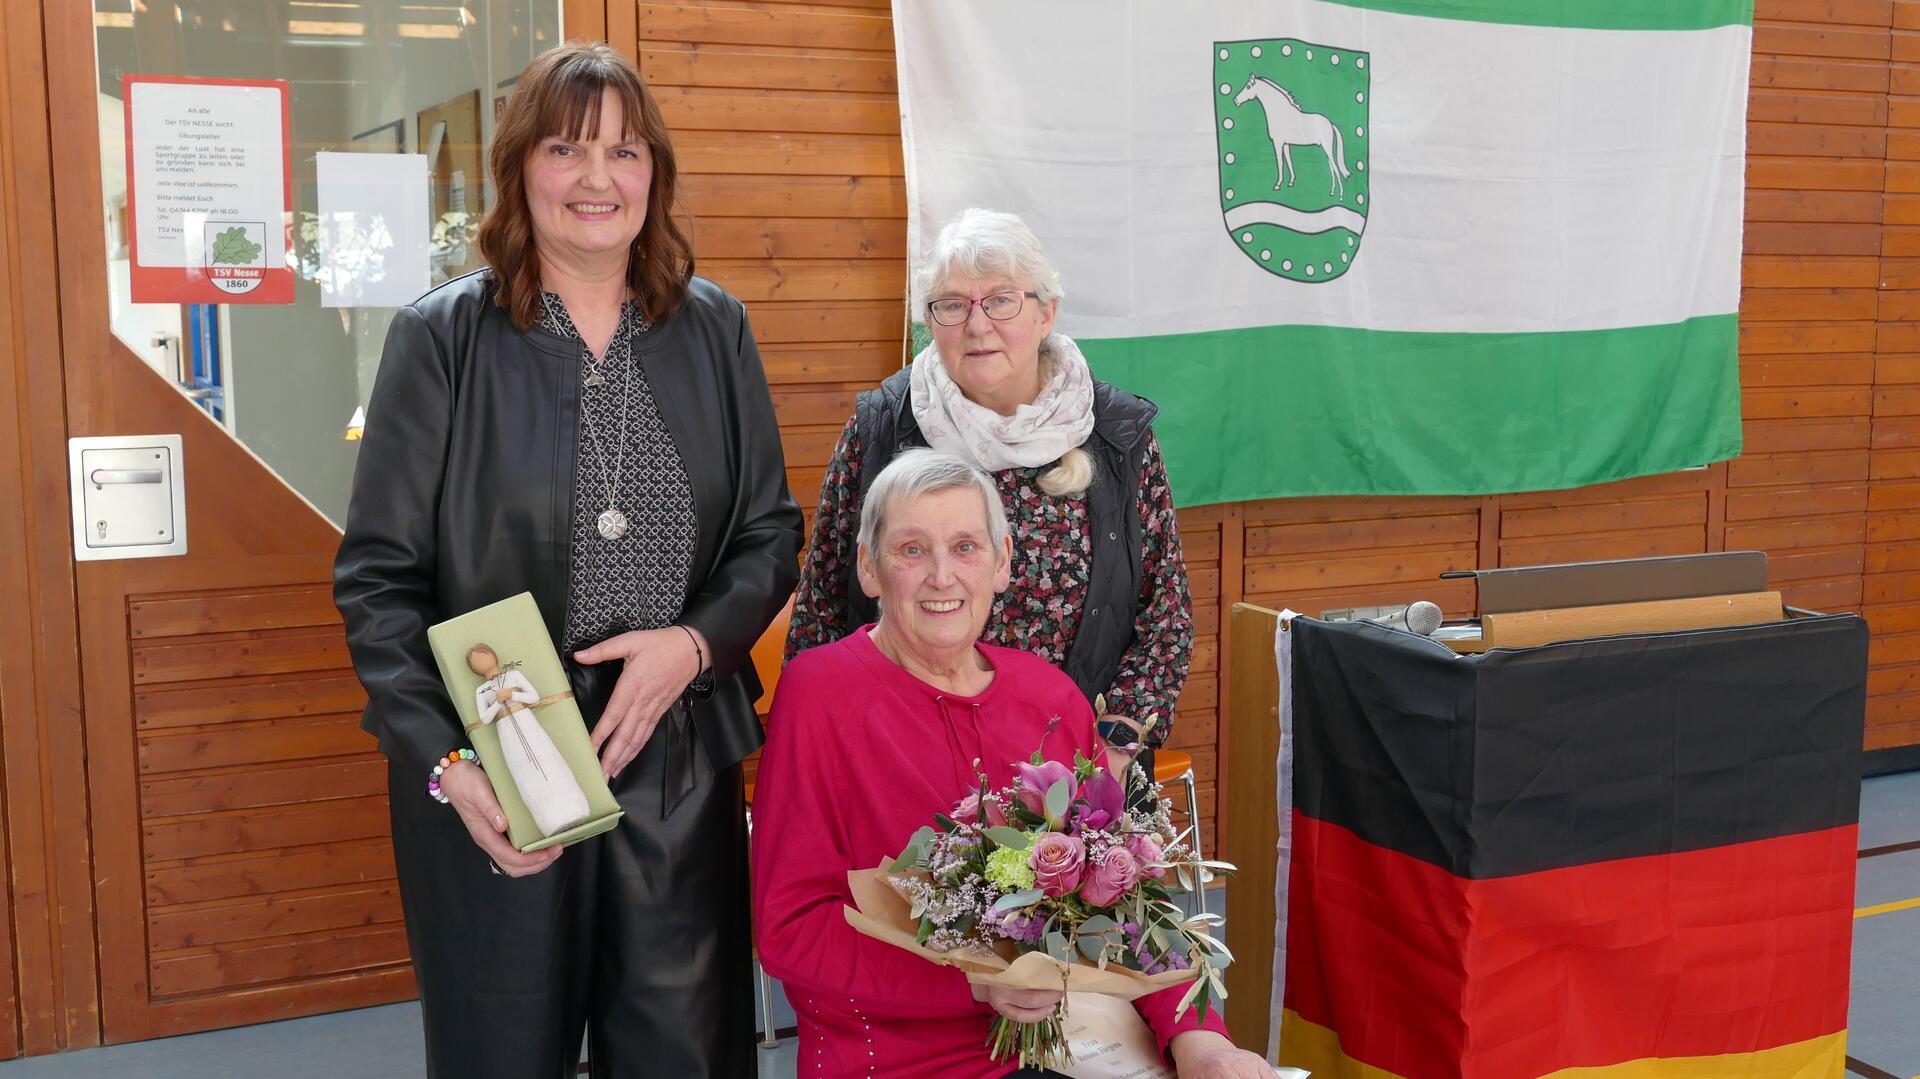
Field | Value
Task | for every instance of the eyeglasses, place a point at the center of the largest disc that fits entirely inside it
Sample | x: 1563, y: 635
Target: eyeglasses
x: 999, y: 307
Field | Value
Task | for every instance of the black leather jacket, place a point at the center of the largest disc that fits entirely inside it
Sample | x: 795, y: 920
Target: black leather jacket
x: 464, y: 495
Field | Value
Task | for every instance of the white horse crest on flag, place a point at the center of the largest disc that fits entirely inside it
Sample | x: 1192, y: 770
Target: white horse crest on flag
x: 1288, y: 125
x: 1275, y: 97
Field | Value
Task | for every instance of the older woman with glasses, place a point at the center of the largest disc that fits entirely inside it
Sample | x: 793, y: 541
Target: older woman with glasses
x: 1098, y: 583
x: 869, y: 737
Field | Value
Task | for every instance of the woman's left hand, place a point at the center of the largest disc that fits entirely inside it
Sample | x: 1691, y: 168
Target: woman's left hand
x: 1119, y: 759
x: 1204, y: 1054
x: 659, y: 665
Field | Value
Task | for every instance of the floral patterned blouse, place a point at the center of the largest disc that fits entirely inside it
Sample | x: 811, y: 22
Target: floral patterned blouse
x: 1052, y: 565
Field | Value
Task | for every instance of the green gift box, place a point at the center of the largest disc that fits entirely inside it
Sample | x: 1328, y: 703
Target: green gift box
x: 531, y: 737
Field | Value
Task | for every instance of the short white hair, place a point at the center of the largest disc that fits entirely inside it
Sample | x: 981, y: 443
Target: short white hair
x: 922, y: 471
x: 985, y: 243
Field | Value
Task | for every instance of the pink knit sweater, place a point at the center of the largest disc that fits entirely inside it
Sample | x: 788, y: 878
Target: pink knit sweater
x: 859, y: 755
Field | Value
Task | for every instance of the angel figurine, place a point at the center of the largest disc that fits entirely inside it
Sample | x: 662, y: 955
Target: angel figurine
x: 546, y: 783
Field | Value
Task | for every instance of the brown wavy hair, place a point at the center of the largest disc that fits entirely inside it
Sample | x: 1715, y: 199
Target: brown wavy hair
x: 559, y: 93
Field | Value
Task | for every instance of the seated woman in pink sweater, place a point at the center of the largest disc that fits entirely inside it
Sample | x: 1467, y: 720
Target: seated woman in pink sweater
x: 871, y: 736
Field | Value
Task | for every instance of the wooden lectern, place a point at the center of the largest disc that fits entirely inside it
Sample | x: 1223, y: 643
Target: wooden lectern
x: 1253, y: 710
x: 1641, y: 814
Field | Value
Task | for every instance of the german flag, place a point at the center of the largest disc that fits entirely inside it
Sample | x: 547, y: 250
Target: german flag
x: 1627, y: 855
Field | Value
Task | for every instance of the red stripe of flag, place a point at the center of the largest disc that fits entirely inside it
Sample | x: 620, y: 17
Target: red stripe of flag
x: 1726, y: 950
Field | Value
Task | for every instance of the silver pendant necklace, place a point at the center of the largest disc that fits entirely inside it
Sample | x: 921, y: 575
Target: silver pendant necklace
x: 612, y: 524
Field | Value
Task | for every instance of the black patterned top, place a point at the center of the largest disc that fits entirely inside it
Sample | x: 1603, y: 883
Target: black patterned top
x: 1052, y: 567
x: 640, y: 580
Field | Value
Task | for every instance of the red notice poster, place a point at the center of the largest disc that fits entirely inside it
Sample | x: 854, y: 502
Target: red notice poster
x: 208, y: 189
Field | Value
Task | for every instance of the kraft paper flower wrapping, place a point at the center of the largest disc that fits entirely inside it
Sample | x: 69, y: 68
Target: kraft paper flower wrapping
x: 881, y: 912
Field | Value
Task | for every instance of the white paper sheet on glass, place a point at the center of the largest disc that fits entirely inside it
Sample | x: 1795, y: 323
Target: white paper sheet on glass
x: 374, y: 236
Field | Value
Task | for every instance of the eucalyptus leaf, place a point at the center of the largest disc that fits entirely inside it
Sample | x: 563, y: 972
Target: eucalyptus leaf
x: 1059, y: 796
x: 917, y: 849
x: 1016, y: 900
x: 1009, y: 838
x: 1058, y: 947
x: 1092, y: 948
x: 1099, y: 923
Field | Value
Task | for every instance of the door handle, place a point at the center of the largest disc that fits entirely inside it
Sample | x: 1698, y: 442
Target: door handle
x: 124, y: 475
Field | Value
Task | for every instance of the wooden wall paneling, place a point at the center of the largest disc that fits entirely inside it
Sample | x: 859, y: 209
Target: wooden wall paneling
x: 1312, y: 555
x: 588, y: 20
x: 1199, y: 714
x: 1813, y: 248
x: 1810, y: 302
x: 1649, y: 516
x: 1891, y: 593
x: 49, y: 867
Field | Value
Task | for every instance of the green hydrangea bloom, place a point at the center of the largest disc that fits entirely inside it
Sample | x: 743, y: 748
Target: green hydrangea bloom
x: 1008, y: 870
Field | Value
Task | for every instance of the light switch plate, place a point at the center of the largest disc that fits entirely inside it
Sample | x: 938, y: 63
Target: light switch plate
x: 129, y: 497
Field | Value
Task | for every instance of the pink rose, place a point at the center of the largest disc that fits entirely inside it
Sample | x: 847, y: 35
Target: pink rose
x: 1037, y: 779
x: 1058, y: 860
x: 967, y: 811
x: 1110, y: 878
x: 1145, y: 852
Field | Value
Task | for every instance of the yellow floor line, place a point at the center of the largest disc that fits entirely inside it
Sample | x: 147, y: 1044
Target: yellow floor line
x: 1887, y: 908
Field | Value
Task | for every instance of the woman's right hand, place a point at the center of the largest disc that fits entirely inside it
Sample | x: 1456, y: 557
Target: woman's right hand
x: 471, y: 795
x: 1019, y: 1005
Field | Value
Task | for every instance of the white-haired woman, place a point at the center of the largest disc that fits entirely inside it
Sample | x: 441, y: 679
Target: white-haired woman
x: 1098, y: 584
x: 872, y: 735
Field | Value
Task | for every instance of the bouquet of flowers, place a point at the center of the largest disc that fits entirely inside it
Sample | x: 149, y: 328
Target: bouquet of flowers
x: 1052, y: 882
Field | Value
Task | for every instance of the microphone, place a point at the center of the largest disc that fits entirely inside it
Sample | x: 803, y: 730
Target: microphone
x: 1423, y: 617
x: 1420, y: 616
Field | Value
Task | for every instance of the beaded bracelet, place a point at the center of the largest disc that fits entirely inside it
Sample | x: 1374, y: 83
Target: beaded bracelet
x: 433, y: 781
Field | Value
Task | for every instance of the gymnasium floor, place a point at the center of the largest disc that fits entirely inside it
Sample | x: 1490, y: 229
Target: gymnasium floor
x: 384, y: 1043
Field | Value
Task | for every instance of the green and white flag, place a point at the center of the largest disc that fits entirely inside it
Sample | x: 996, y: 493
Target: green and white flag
x: 1366, y: 246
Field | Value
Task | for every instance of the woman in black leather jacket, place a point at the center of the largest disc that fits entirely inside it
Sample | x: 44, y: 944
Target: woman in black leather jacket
x: 588, y: 421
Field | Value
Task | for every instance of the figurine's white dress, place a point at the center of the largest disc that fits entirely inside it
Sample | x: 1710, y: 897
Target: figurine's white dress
x: 545, y: 782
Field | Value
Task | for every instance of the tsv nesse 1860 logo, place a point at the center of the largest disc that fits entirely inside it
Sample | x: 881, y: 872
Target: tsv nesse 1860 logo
x: 1290, y: 118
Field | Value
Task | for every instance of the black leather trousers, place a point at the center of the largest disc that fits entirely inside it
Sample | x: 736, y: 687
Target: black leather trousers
x: 639, y: 936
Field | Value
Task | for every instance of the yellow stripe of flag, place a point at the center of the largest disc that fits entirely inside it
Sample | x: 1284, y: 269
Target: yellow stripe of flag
x: 1317, y: 1049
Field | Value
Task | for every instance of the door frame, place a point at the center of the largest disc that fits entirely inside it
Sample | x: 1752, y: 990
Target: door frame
x: 73, y: 951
